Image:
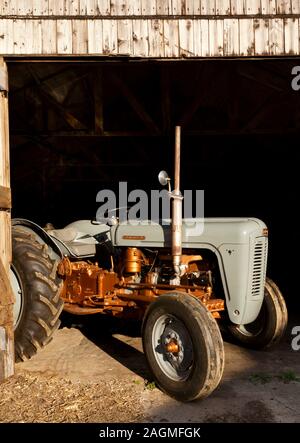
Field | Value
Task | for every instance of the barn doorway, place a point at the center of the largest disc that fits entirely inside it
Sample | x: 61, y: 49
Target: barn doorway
x: 78, y: 127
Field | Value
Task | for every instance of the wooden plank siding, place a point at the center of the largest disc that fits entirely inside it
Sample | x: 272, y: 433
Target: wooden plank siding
x: 99, y: 8
x: 150, y: 28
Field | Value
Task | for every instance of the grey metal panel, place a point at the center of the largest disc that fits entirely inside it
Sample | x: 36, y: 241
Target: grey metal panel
x: 233, y: 241
x: 234, y: 230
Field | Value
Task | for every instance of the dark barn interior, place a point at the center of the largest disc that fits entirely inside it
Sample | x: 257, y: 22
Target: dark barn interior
x: 79, y: 127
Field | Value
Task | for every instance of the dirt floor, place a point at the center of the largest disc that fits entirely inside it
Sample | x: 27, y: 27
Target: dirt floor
x: 94, y: 371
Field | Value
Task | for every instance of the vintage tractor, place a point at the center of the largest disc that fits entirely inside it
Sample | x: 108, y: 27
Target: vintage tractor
x: 179, y: 285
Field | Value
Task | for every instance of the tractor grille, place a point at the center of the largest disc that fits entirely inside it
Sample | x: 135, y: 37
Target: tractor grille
x: 259, y: 266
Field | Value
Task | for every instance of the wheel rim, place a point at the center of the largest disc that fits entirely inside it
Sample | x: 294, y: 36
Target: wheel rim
x: 172, y: 347
x: 256, y: 327
x: 17, y: 290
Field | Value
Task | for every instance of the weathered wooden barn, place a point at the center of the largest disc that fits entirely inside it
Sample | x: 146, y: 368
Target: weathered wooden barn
x: 150, y: 28
x: 95, y: 87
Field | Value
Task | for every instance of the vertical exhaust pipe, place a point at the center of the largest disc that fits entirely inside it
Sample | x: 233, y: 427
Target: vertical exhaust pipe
x: 177, y: 210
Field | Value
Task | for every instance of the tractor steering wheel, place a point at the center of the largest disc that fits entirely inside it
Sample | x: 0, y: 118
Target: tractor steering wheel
x: 113, y: 220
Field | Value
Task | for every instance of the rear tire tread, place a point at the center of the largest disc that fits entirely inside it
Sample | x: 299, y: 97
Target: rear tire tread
x: 41, y: 294
x: 275, y: 325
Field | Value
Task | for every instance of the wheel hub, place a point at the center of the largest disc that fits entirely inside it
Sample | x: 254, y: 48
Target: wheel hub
x: 172, y: 347
x: 17, y: 290
x: 172, y: 343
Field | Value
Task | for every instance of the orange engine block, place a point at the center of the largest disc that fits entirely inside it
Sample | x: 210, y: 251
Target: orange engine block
x: 85, y: 281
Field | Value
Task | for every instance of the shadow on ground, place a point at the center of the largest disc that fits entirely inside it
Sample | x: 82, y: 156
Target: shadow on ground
x: 257, y: 386
x: 104, y: 332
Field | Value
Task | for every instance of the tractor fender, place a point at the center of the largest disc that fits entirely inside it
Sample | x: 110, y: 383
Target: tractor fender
x: 41, y: 235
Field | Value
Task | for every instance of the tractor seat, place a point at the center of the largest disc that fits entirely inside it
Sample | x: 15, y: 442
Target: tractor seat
x: 65, y: 235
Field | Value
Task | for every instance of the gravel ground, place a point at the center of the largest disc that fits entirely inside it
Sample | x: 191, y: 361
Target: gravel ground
x: 96, y: 372
x: 31, y: 397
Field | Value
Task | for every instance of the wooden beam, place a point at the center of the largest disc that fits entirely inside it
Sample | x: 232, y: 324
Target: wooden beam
x: 49, y: 134
x: 233, y: 103
x: 192, y: 109
x: 254, y: 77
x: 260, y: 112
x: 42, y: 80
x: 5, y: 197
x: 243, y: 132
x: 135, y: 104
x: 17, y: 138
x: 67, y: 116
x: 204, y: 83
x: 72, y: 84
x: 6, y: 325
x: 194, y: 105
x: 165, y: 99
x: 6, y: 295
x: 98, y: 100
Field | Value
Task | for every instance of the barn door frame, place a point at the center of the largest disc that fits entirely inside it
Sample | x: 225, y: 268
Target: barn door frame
x: 6, y: 294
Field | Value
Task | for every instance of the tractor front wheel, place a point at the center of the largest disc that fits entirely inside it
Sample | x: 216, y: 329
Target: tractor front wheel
x: 183, y: 346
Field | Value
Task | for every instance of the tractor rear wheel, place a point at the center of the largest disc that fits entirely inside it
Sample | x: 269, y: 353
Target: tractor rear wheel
x: 183, y: 346
x: 270, y: 325
x: 37, y: 290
